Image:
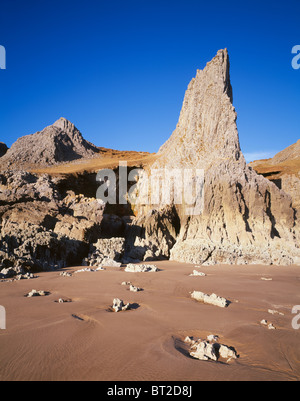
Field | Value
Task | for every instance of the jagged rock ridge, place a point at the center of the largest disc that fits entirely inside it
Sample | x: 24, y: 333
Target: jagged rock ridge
x: 60, y: 142
x: 292, y: 152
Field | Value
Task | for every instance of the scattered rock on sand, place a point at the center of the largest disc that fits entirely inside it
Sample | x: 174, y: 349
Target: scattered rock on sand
x: 66, y: 274
x: 35, y: 293
x: 212, y: 299
x: 15, y: 273
x: 275, y: 312
x: 88, y: 269
x: 63, y: 300
x: 197, y: 273
x: 132, y: 268
x: 118, y: 305
x: 133, y: 288
x: 21, y: 276
x: 26, y: 276
x: 264, y: 322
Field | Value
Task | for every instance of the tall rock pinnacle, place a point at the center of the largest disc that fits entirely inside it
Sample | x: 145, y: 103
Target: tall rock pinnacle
x: 206, y: 129
x: 246, y: 218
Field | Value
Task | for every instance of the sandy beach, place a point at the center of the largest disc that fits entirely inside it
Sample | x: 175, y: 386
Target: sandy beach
x: 82, y: 340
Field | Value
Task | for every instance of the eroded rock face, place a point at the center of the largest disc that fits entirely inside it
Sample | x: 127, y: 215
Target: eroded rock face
x: 290, y: 184
x: 106, y: 252
x: 34, y: 248
x: 284, y: 170
x: 152, y: 234
x: 245, y: 218
x: 41, y: 230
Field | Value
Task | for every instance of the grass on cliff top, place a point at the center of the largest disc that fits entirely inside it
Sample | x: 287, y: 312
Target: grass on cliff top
x: 108, y: 159
x: 288, y: 167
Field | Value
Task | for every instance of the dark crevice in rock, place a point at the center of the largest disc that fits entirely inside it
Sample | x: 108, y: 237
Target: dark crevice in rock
x: 274, y: 233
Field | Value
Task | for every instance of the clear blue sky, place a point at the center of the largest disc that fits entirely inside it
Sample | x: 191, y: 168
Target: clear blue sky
x: 118, y: 69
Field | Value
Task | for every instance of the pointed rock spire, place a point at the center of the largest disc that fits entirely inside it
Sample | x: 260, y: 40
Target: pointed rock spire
x: 206, y: 130
x: 246, y: 218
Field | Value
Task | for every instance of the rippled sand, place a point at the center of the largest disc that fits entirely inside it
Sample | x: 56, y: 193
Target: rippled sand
x: 82, y: 340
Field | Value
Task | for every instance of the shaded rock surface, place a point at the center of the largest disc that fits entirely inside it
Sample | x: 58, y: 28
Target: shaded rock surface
x: 106, y: 251
x: 3, y: 149
x: 40, y: 229
x: 284, y: 170
x: 152, y: 235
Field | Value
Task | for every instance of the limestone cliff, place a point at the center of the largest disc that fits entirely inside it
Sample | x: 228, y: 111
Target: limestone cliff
x: 246, y: 218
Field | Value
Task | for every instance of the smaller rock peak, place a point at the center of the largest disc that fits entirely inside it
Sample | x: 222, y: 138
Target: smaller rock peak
x: 64, y: 124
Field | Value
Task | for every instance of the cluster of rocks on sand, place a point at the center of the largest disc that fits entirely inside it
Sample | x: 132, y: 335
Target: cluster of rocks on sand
x: 210, y: 349
x: 270, y: 326
x: 18, y: 273
x: 132, y: 287
x: 35, y: 293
